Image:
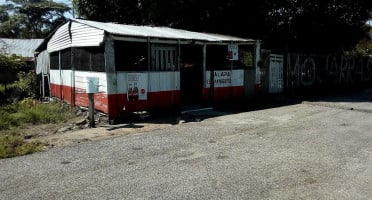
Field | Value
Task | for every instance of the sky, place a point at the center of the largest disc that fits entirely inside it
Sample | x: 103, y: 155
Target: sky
x: 69, y: 3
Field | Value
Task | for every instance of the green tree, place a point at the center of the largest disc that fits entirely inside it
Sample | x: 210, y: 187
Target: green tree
x: 303, y: 25
x: 319, y: 25
x: 9, y: 67
x: 30, y: 18
x: 364, y: 46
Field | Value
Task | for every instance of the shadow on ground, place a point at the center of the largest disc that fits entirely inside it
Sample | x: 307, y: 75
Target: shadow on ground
x: 198, y: 113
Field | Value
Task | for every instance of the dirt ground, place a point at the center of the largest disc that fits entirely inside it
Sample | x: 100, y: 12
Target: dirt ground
x: 77, y: 130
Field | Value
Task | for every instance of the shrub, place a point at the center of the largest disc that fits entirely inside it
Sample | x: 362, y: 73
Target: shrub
x: 7, y: 121
x: 26, y: 84
x: 9, y: 66
x: 6, y: 118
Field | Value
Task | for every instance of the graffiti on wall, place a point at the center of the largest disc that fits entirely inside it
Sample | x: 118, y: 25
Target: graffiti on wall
x: 311, y: 70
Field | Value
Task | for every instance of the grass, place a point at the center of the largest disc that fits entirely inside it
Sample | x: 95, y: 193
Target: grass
x: 23, y: 114
x: 15, y: 145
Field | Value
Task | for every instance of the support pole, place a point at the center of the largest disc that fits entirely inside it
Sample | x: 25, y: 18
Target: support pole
x: 257, y: 67
x: 91, y: 110
x: 211, y: 78
x: 42, y: 85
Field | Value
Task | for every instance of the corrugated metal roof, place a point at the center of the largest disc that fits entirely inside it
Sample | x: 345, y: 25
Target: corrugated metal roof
x: 85, y: 33
x: 21, y: 47
x: 75, y: 35
x: 159, y: 32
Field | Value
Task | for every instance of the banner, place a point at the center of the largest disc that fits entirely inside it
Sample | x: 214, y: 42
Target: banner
x: 221, y: 78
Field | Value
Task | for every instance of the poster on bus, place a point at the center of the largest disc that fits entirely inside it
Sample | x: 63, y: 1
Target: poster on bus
x: 137, y: 86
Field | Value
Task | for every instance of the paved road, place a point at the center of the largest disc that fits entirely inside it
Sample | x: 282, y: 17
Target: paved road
x: 312, y: 150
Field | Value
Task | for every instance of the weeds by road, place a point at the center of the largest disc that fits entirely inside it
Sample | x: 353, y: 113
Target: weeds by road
x: 15, y: 118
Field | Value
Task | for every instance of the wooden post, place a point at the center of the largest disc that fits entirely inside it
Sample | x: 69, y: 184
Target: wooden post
x: 91, y: 110
x: 211, y: 78
x: 257, y: 68
x: 42, y: 85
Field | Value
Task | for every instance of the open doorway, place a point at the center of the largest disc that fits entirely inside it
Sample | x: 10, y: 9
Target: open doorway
x: 191, y: 74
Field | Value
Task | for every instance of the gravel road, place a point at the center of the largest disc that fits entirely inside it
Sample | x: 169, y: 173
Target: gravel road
x: 320, y: 149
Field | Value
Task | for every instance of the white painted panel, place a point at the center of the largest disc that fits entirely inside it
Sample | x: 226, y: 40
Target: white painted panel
x: 122, y: 86
x: 63, y: 77
x: 154, y: 81
x: 81, y: 80
x: 164, y: 81
x: 158, y: 81
x: 66, y: 77
x: 237, y: 77
x: 225, y: 78
x: 55, y: 77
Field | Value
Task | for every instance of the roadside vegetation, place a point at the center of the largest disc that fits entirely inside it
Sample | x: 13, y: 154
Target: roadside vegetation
x: 16, y: 117
x: 364, y: 46
x: 19, y: 110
